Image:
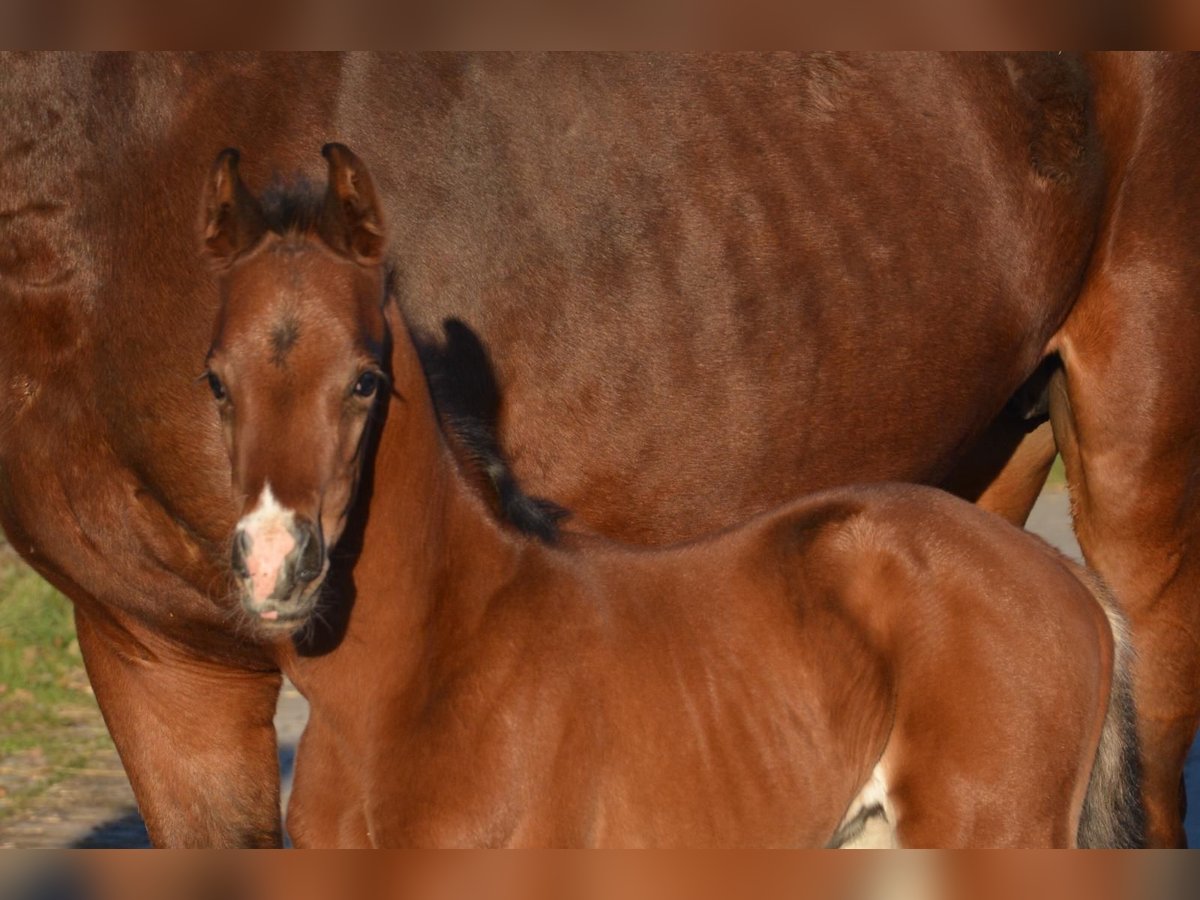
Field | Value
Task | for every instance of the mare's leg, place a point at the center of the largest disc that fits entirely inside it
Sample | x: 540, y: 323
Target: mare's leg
x: 1138, y: 524
x: 1127, y: 414
x: 197, y: 739
x: 1006, y: 468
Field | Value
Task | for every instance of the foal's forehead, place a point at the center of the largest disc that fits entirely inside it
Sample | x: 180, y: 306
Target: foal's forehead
x: 291, y: 290
x: 294, y: 272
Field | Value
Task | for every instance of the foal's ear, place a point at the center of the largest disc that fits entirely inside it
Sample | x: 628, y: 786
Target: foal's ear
x: 231, y: 219
x: 351, y: 222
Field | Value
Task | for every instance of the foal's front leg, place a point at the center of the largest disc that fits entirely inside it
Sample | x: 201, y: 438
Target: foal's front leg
x: 326, y: 809
x: 197, y: 739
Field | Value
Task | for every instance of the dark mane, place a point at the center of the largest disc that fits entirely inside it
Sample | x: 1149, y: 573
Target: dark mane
x: 476, y: 440
x: 292, y: 206
x: 466, y: 394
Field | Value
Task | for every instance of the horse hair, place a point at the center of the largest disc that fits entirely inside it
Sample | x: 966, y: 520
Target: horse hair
x: 292, y: 206
x: 466, y: 394
x: 1114, y: 814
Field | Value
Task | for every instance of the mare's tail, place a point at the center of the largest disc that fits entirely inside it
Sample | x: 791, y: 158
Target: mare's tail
x: 1113, y: 813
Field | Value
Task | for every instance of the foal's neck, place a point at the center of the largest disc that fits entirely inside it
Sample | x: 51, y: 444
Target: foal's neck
x: 440, y: 548
x: 433, y: 557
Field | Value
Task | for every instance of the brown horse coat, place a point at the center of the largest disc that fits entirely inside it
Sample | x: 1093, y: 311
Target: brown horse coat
x: 867, y: 653
x: 706, y: 285
x: 875, y: 651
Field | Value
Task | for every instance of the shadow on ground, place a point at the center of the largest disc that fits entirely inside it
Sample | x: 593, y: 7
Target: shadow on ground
x: 125, y: 832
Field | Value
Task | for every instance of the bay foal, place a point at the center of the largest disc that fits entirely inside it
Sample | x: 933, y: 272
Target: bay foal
x: 883, y: 663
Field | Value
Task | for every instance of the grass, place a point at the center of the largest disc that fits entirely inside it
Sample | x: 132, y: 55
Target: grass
x: 48, y: 717
x: 1058, y: 475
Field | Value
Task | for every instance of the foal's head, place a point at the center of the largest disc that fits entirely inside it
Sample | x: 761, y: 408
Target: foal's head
x: 295, y: 368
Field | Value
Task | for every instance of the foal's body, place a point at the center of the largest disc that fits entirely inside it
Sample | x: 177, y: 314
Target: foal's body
x: 883, y: 643
x: 738, y: 691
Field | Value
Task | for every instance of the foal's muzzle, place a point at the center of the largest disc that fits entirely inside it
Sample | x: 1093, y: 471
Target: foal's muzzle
x: 277, y: 560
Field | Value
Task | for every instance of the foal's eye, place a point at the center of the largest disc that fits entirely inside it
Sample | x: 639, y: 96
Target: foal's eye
x: 215, y: 385
x: 367, y: 384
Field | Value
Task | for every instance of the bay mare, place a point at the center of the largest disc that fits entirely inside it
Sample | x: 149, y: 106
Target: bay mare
x: 878, y: 665
x: 677, y: 292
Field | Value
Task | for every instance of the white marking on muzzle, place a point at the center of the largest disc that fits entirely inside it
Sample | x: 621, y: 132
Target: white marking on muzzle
x: 269, y: 528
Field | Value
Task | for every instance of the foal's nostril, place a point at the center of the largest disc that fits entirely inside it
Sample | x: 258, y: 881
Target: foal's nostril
x: 311, y: 556
x: 241, y: 548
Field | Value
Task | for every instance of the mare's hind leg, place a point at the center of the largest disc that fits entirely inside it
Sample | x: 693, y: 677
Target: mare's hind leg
x: 197, y: 740
x: 1127, y: 416
x: 1006, y: 468
x: 1137, y: 518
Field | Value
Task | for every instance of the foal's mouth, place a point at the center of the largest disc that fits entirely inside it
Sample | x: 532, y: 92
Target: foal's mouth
x: 286, y: 615
x: 273, y: 618
x: 278, y: 622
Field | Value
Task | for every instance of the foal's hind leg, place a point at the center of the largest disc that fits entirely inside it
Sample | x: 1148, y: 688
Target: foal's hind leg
x: 1127, y: 416
x: 951, y: 786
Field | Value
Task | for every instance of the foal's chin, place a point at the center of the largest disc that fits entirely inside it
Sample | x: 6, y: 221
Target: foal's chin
x: 286, y: 617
